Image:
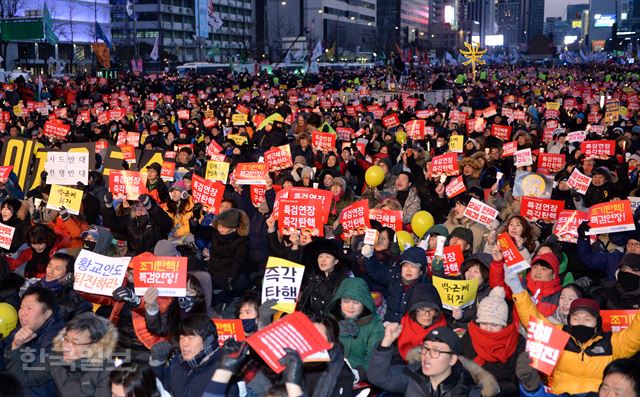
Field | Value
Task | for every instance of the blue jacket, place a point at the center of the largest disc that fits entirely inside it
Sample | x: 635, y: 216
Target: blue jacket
x: 606, y: 262
x: 182, y: 380
x: 540, y: 392
x: 28, y: 363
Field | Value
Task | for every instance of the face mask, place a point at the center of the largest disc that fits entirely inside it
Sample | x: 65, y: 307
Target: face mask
x: 249, y: 325
x: 142, y: 221
x: 89, y: 245
x: 113, y: 129
x: 628, y: 281
x: 186, y: 302
x: 582, y: 333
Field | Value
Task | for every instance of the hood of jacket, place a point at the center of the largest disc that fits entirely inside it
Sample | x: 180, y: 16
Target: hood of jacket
x: 104, y: 239
x: 204, y: 278
x: 356, y: 289
x: 97, y: 352
x: 423, y: 295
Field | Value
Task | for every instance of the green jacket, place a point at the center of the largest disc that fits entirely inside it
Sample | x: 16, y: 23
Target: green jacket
x: 358, y: 348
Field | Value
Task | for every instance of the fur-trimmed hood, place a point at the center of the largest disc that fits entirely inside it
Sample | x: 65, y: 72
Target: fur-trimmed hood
x: 99, y: 351
x: 488, y: 383
x: 232, y: 215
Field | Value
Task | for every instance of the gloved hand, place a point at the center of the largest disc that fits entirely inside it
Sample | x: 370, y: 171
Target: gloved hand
x: 265, y: 313
x: 583, y: 229
x: 145, y: 200
x: 367, y: 250
x: 527, y: 375
x: 293, y: 367
x: 126, y: 294
x: 197, y: 210
x: 81, y: 186
x: 512, y: 280
x: 64, y: 214
x: 108, y: 200
x: 234, y: 355
x: 424, y: 243
x: 160, y: 352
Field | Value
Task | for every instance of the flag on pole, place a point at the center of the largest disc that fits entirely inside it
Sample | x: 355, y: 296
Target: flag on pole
x: 156, y: 49
x: 317, y: 51
x: 102, y: 36
x: 130, y: 12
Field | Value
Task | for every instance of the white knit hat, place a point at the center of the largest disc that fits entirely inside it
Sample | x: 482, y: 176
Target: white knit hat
x: 493, y: 309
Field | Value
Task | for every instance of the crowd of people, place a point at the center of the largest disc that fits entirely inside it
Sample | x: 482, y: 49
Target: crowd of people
x: 374, y: 301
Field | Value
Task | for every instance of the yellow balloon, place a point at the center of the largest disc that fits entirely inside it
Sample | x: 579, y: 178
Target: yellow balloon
x: 401, y: 137
x: 421, y: 222
x: 8, y: 319
x: 404, y: 238
x: 374, y: 175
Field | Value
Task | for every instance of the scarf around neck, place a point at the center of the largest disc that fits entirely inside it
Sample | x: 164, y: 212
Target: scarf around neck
x: 493, y: 347
x: 413, y: 333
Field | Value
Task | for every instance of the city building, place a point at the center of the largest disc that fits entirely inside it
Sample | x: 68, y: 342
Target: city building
x: 509, y: 21
x: 532, y: 17
x: 603, y: 15
x: 404, y: 23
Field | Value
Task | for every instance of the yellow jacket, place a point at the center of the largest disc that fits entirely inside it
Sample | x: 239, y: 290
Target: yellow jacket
x: 580, y: 367
x: 180, y: 220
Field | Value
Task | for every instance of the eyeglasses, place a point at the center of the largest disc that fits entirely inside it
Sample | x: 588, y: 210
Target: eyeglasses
x: 70, y: 342
x: 433, y: 353
x: 426, y: 311
x: 630, y: 244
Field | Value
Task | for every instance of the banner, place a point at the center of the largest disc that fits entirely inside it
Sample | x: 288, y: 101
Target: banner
x: 355, y: 218
x: 278, y: 158
x: 452, y: 258
x: 545, y: 344
x: 281, y: 281
x: 251, y: 173
x: 99, y: 274
x: 446, y: 164
x: 456, y: 293
x: 617, y: 320
x: 323, y: 141
x: 129, y: 184
x: 208, y: 193
x: 388, y: 218
x: 167, y: 273
x: 228, y: 328
x: 303, y: 215
x: 523, y: 158
x: 513, y: 259
x: 611, y: 217
x: 56, y: 129
x: 67, y: 168
x: 294, y: 331
x: 502, y: 132
x: 599, y: 149
x: 480, y: 212
x: 579, y: 181
x: 217, y: 171
x: 6, y: 236
x: 455, y: 187
x: 566, y: 226
x: 67, y: 197
x: 551, y: 163
x: 534, y: 208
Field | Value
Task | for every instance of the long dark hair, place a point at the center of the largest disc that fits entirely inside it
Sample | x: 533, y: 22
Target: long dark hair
x: 138, y: 380
x: 173, y: 312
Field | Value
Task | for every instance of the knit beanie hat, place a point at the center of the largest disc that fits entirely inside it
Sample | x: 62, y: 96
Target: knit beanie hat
x: 464, y: 234
x: 493, y: 309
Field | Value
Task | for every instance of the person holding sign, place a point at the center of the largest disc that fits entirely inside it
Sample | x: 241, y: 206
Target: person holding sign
x: 13, y: 213
x: 155, y: 185
x: 589, y: 350
x: 180, y: 209
x: 457, y: 218
x: 493, y: 341
x: 360, y: 328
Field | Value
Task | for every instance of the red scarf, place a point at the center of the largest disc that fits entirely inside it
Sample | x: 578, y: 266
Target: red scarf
x: 413, y: 334
x: 493, y: 346
x: 547, y: 288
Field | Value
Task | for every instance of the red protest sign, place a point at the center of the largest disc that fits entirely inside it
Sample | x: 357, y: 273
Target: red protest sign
x: 257, y: 194
x: 480, y: 212
x: 128, y: 153
x: 228, y: 328
x: 324, y: 141
x: 324, y: 197
x: 512, y: 257
x: 208, y: 193
x: 251, y: 173
x: 344, y: 133
x: 579, y: 181
x: 168, y: 170
x: 523, y: 158
x: 306, y: 216
x: 545, y: 344
x: 455, y: 187
x: 566, y: 225
x: 294, y: 331
x: 149, y: 105
x: 425, y: 113
x: 278, y: 158
x: 388, y: 218
x: 6, y: 236
x: 391, y: 121
x: 126, y: 183
x: 452, y: 258
x: 5, y: 171
x: 611, y: 217
x: 354, y: 218
x: 56, y: 129
x: 599, y: 149
x: 167, y: 273
x: 534, y: 208
x: 133, y: 138
x: 446, y: 164
x: 550, y: 162
x: 213, y: 148
x: 616, y: 320
x: 509, y: 149
x: 502, y: 132
x: 183, y: 114
x: 409, y: 103
x: 415, y: 129
x: 243, y: 109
